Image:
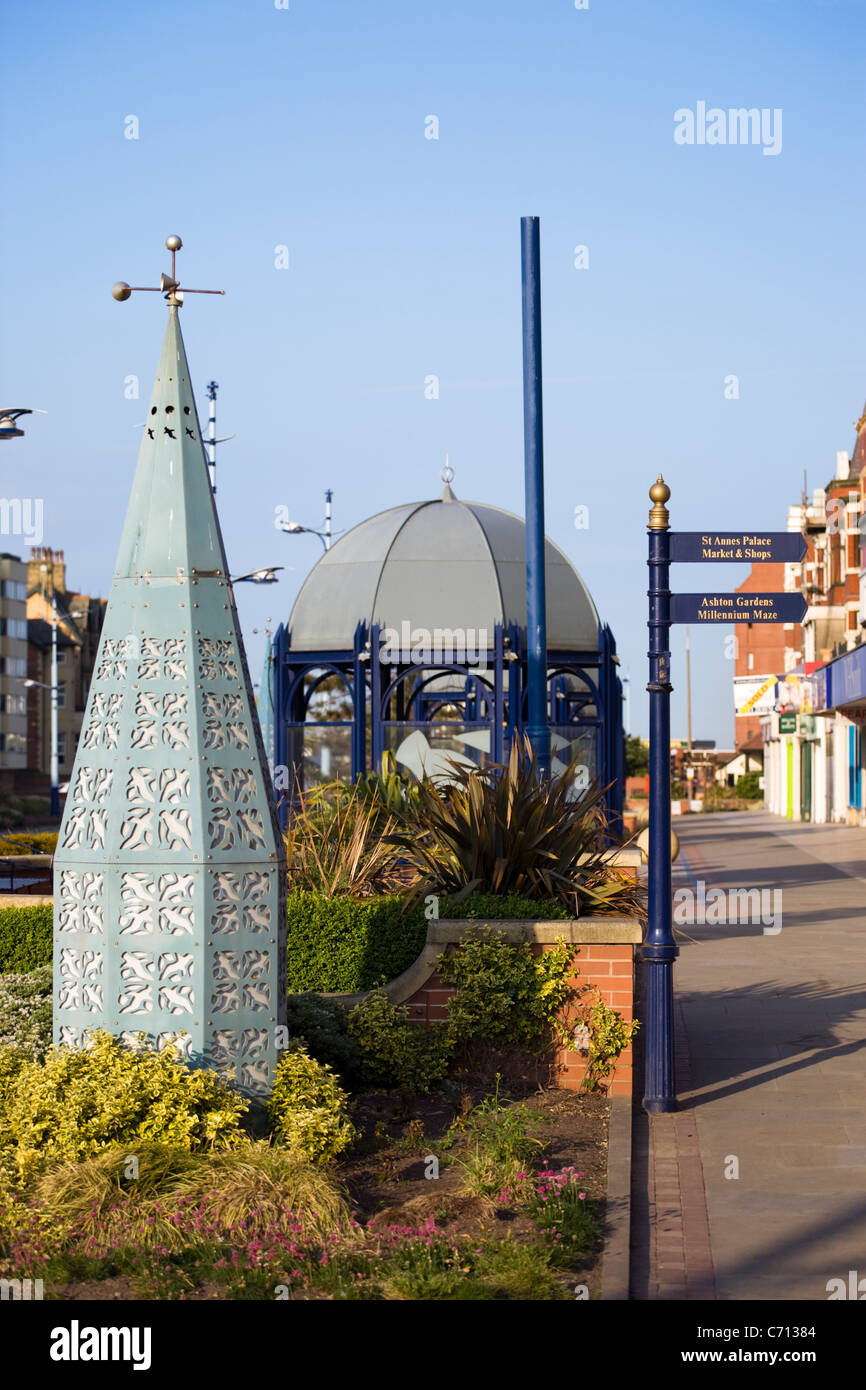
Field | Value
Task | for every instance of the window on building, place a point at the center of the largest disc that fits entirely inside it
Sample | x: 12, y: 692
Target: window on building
x: 12, y: 588
x: 61, y: 696
x: 61, y: 658
x: 61, y: 748
x: 13, y: 666
x: 751, y: 662
x: 13, y: 627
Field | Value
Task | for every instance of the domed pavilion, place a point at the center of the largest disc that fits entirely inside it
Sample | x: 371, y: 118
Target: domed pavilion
x: 409, y: 637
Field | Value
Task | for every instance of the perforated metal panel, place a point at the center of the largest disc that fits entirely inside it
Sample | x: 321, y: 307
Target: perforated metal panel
x: 169, y: 913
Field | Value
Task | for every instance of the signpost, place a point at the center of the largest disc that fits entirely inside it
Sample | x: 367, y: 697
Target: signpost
x: 659, y: 949
x: 742, y: 546
x: 706, y: 609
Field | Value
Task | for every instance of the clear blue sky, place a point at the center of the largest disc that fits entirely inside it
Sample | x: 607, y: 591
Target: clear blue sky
x: 305, y: 127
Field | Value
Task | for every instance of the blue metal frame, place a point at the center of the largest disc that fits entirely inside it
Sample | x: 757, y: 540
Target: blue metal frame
x: 374, y: 688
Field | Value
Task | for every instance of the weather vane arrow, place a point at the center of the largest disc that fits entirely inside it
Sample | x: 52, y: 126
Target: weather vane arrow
x: 168, y: 284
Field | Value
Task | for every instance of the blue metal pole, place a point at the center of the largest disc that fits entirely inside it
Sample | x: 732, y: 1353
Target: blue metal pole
x: 659, y: 950
x: 537, y: 727
x: 279, y: 740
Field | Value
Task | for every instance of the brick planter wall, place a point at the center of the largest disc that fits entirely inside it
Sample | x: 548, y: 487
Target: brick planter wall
x: 605, y: 959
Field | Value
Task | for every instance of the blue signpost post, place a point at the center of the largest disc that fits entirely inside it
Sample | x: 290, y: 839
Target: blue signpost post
x: 659, y: 949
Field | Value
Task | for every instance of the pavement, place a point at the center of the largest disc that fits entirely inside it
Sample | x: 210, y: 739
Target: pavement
x: 755, y: 1188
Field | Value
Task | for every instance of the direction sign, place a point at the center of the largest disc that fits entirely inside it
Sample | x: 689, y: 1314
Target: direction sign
x: 706, y: 609
x: 696, y: 546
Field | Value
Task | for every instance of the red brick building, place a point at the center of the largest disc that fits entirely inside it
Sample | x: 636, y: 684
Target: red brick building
x: 763, y: 649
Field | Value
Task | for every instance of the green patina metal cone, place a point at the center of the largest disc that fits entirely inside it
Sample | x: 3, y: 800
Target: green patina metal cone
x: 169, y: 916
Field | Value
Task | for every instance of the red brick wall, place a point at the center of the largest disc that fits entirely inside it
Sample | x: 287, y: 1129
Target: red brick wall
x: 609, y: 968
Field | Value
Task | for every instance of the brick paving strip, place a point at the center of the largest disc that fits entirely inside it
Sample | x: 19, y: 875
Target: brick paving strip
x: 671, y: 1255
x: 616, y: 1258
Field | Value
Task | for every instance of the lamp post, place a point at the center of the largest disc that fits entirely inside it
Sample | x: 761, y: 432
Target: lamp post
x: 211, y: 442
x: 55, y: 779
x: 54, y: 688
x: 294, y: 528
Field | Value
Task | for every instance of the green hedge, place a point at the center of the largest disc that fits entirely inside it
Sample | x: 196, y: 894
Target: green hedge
x: 25, y: 937
x: 490, y: 907
x: 28, y: 842
x: 340, y: 945
x: 335, y: 945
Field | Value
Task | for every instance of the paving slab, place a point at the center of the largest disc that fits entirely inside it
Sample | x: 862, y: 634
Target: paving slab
x: 775, y: 1032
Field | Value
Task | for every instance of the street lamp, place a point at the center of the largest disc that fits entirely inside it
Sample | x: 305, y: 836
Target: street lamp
x: 263, y: 576
x: 294, y: 528
x: 9, y: 421
x: 54, y: 688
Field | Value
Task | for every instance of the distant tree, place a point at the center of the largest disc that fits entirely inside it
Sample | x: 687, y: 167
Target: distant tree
x: 747, y: 786
x: 636, y: 757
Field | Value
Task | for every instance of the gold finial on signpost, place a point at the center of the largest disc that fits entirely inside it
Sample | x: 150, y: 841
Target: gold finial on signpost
x: 659, y: 494
x: 168, y: 285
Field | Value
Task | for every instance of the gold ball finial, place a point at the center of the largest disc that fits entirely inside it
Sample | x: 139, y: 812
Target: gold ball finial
x: 121, y: 291
x: 173, y: 243
x: 659, y: 494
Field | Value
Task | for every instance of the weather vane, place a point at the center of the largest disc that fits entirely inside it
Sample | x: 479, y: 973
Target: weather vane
x: 168, y: 285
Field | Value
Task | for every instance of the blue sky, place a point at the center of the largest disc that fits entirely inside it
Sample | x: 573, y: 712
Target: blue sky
x: 305, y: 127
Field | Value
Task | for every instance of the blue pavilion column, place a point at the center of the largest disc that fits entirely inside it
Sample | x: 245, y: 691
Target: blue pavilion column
x: 377, y: 740
x: 537, y: 727
x: 359, y: 703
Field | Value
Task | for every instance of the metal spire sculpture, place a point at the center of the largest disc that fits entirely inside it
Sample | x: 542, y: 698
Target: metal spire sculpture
x: 169, y: 872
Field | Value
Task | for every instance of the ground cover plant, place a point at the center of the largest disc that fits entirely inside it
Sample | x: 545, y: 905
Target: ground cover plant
x: 121, y: 1167
x: 26, y: 1011
x: 256, y: 1220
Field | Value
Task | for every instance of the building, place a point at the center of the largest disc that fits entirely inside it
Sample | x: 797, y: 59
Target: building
x: 13, y: 668
x: 761, y: 651
x: 79, y: 624
x: 813, y: 743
